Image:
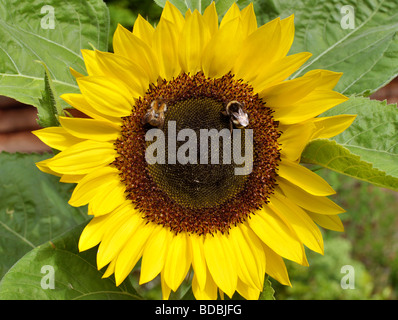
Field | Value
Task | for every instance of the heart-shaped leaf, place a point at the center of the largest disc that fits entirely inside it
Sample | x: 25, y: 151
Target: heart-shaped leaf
x: 57, y: 271
x: 33, y: 207
x: 52, y: 32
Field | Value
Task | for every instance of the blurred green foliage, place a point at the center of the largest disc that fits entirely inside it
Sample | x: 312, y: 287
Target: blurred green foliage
x: 371, y: 226
x: 369, y: 243
x: 322, y: 280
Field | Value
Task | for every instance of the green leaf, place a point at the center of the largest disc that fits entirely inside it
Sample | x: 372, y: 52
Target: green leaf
x: 184, y: 5
x: 48, y: 109
x: 222, y: 6
x: 33, y: 207
x: 268, y: 291
x: 332, y: 155
x: 188, y: 294
x: 367, y: 54
x: 373, y: 135
x: 53, y: 32
x: 57, y: 271
x: 368, y: 149
x: 179, y: 4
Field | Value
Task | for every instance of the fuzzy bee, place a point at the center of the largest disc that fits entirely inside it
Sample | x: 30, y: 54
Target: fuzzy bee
x: 237, y: 115
x: 155, y: 114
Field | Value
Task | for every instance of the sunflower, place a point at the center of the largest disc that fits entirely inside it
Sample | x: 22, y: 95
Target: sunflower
x: 231, y: 229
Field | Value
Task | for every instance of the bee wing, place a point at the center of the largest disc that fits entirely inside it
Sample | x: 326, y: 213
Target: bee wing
x: 242, y: 114
x: 236, y: 115
x: 243, y: 118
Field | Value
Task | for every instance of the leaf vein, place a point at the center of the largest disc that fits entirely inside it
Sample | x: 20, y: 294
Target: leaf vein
x: 339, y: 41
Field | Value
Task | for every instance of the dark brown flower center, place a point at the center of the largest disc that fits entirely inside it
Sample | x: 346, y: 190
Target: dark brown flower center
x: 193, y: 185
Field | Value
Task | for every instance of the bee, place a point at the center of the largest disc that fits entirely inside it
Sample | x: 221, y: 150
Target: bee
x: 155, y: 114
x: 237, y: 115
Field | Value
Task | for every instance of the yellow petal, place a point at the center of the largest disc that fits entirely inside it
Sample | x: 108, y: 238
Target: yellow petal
x: 109, y: 198
x: 327, y: 127
x: 294, y: 139
x: 79, y: 102
x: 109, y: 270
x: 246, y: 258
x: 143, y: 30
x: 232, y: 13
x: 221, y: 262
x: 198, y: 261
x: 113, y: 226
x: 56, y: 137
x: 208, y: 292
x: 113, y: 242
x: 188, y: 14
x: 258, y: 50
x: 329, y: 78
x: 154, y: 254
x: 248, y: 292
x: 94, y: 231
x: 165, y: 44
x: 271, y: 229
x: 71, y: 178
x: 287, y: 35
x: 289, y: 92
x: 172, y: 14
x: 91, y: 63
x: 75, y: 73
x: 267, y: 75
x: 210, y: 18
x: 297, y: 218
x: 178, y: 261
x: 275, y: 267
x: 98, y: 130
x: 132, y: 252
x: 315, y: 103
x: 249, y: 20
x: 223, y: 49
x: 130, y: 46
x: 84, y: 157
x: 165, y: 288
x: 43, y: 166
x: 322, y: 205
x: 110, y: 97
x: 257, y: 248
x: 119, y: 67
x: 304, y: 178
x: 194, y: 38
x: 331, y: 222
x: 263, y: 56
x: 89, y: 186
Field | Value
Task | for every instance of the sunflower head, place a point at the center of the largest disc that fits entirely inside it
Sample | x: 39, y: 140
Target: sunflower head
x: 189, y: 154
